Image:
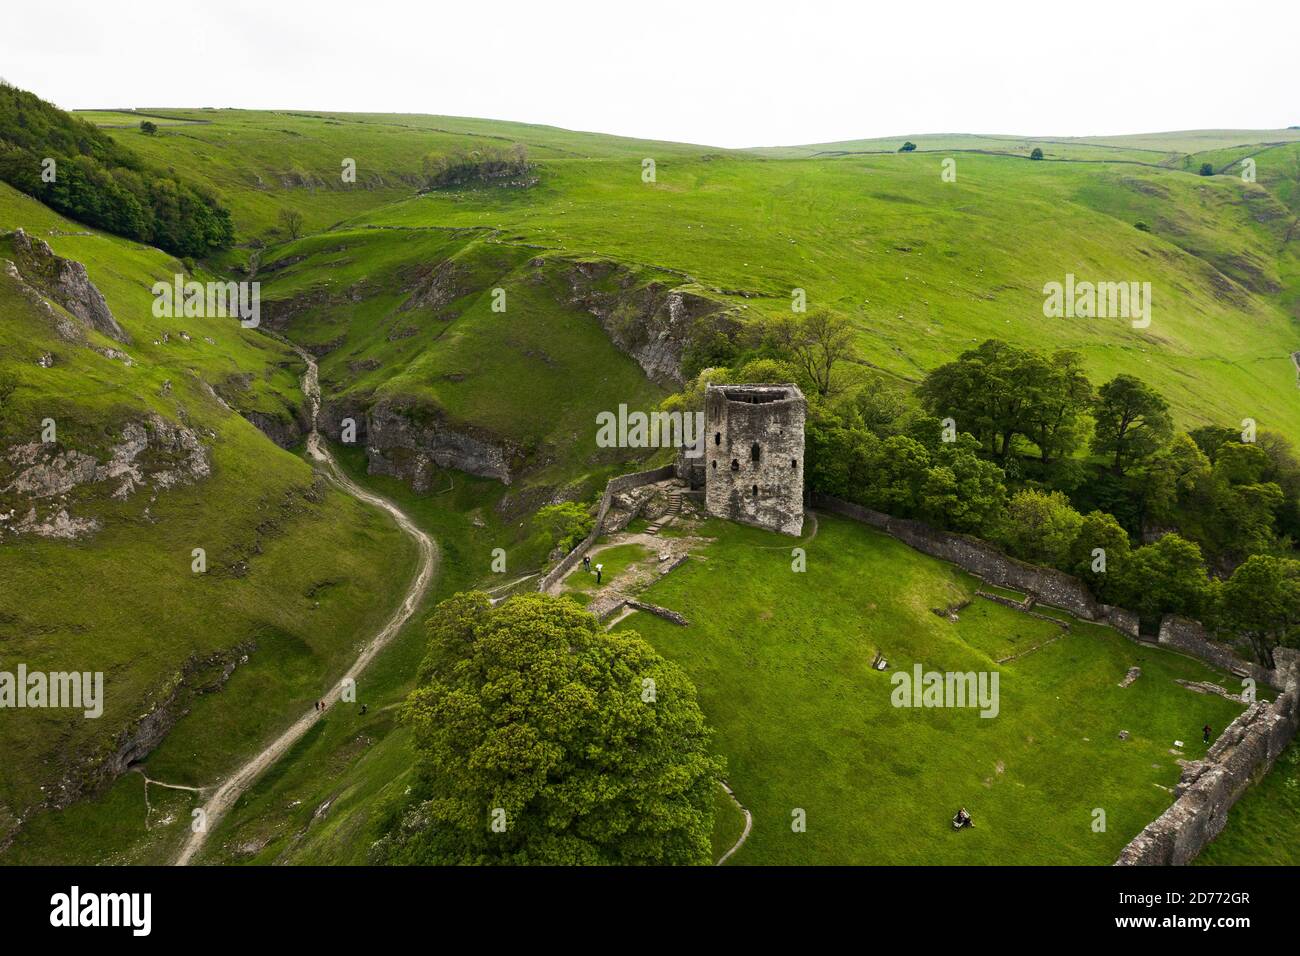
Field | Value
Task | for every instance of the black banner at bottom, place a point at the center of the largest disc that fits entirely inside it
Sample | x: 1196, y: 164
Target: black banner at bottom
x: 318, y: 906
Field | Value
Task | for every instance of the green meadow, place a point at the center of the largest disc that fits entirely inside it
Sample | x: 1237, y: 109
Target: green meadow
x: 782, y: 661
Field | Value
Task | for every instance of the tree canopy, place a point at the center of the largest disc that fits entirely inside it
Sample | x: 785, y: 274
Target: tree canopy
x: 544, y: 740
x: 96, y: 180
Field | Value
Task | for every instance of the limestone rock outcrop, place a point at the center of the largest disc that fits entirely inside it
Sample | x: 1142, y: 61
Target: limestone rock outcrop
x: 65, y: 282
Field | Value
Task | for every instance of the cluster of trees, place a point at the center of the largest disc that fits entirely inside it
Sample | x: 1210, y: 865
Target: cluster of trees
x: 484, y: 164
x: 543, y: 740
x: 1018, y: 447
x: 1259, y: 601
x: 97, y: 181
x: 1233, y: 492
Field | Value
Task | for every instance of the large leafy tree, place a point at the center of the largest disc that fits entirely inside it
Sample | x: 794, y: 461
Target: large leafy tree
x: 815, y: 343
x: 1167, y: 577
x: 1100, y: 555
x: 985, y: 392
x: 1261, y: 603
x: 998, y: 392
x: 1060, y: 395
x: 544, y: 740
x: 962, y: 491
x: 1132, y: 422
x: 1245, y: 505
x: 1041, y: 527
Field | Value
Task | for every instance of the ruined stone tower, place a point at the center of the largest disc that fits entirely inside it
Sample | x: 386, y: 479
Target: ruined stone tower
x: 754, y: 452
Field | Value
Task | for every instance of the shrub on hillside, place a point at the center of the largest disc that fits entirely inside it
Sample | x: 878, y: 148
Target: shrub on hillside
x: 1041, y: 527
x: 486, y: 164
x: 567, y: 523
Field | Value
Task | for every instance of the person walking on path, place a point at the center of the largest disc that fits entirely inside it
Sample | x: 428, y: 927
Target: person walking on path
x: 599, y: 567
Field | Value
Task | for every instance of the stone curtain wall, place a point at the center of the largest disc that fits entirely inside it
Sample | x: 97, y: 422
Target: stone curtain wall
x: 1208, y: 788
x: 613, y: 487
x: 1052, y: 587
x: 1190, y: 637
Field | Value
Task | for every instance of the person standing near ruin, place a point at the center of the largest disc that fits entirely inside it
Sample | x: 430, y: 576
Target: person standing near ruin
x: 1205, y: 734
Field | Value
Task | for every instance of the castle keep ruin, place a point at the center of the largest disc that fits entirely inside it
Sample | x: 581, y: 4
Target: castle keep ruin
x: 753, y: 455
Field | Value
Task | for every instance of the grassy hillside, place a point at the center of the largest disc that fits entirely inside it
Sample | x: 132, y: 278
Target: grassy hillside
x: 805, y: 723
x: 1164, y: 149
x: 295, y: 569
x: 1264, y: 827
x: 926, y: 267
x: 262, y: 161
x: 393, y: 289
x: 923, y: 266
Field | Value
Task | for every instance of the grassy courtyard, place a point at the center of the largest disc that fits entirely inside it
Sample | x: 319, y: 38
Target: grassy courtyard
x: 782, y: 663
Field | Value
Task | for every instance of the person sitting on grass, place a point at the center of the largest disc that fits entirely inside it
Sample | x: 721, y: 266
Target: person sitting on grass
x: 962, y: 819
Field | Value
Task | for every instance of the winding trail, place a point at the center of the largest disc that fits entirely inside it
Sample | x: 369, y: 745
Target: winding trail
x: 749, y: 823
x: 226, y: 793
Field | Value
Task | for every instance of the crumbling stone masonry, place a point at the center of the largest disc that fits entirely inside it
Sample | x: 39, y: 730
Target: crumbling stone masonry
x: 754, y: 452
x: 1208, y: 788
x: 612, y: 487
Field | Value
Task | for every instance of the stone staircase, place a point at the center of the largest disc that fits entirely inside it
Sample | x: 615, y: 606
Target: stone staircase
x: 674, y: 509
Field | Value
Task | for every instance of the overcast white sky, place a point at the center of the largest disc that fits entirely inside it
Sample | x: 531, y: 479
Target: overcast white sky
x: 717, y: 72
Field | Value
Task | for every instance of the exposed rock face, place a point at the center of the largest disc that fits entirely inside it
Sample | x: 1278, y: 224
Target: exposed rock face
x: 278, y: 314
x: 86, y: 774
x: 652, y: 323
x: 436, y: 287
x: 285, y: 432
x: 625, y: 506
x: 406, y: 440
x: 66, y: 282
x: 150, y: 453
